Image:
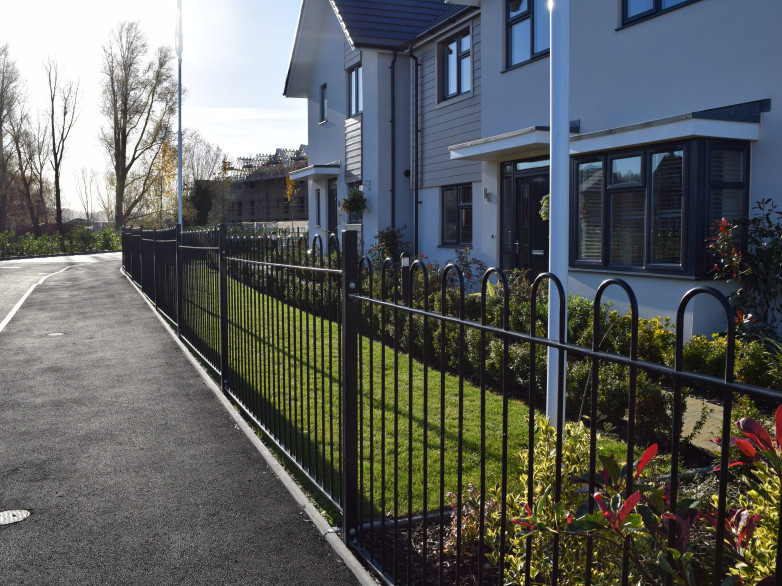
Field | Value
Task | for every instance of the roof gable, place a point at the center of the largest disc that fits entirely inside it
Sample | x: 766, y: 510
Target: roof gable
x: 389, y: 24
x: 367, y: 24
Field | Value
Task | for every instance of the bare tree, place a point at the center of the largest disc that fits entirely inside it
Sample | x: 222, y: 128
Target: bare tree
x: 63, y: 98
x: 106, y: 194
x: 138, y: 101
x: 9, y: 84
x: 201, y: 159
x: 86, y: 188
x: 31, y: 146
x: 40, y: 155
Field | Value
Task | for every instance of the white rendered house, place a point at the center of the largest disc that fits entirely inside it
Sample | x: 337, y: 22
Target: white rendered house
x: 673, y: 116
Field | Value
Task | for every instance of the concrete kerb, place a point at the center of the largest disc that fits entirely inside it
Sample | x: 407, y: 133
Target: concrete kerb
x: 329, y: 533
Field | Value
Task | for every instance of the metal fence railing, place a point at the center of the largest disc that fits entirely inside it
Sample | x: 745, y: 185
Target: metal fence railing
x: 420, y: 423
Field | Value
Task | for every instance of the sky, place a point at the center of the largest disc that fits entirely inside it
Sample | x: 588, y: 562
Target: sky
x: 234, y: 62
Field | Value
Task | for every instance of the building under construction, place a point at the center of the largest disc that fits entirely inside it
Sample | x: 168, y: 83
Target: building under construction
x: 259, y: 189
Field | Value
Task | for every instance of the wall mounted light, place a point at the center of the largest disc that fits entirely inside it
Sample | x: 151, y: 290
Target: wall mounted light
x: 486, y: 194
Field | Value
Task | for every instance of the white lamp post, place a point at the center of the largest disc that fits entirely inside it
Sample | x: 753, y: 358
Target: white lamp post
x: 559, y: 112
x: 179, y: 108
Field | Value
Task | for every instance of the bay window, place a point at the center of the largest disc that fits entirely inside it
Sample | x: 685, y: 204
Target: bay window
x: 652, y: 209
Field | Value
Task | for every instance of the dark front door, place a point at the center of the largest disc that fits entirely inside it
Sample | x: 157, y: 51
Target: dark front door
x: 332, y: 206
x: 524, y: 233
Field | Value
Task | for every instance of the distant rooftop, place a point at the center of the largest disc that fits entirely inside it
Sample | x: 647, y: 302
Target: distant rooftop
x: 279, y: 163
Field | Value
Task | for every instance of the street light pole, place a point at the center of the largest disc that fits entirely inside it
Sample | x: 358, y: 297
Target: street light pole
x: 179, y: 109
x: 559, y: 112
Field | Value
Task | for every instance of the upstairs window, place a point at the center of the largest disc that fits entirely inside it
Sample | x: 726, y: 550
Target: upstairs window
x: 527, y: 30
x: 323, y: 103
x: 355, y: 91
x: 457, y: 65
x: 635, y: 10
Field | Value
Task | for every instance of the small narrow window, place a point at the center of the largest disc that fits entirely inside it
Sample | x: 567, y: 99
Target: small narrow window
x: 355, y: 91
x: 323, y: 103
x: 317, y: 207
x: 457, y: 215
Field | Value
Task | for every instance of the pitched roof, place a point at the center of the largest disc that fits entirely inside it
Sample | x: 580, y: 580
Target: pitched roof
x: 389, y: 24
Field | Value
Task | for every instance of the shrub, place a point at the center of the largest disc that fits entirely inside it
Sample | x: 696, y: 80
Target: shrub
x: 751, y: 527
x: 389, y: 243
x: 640, y: 521
x: 750, y: 254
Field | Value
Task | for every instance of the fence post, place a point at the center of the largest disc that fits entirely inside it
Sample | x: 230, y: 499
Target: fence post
x: 154, y: 266
x: 179, y: 271
x: 223, y: 308
x: 351, y: 320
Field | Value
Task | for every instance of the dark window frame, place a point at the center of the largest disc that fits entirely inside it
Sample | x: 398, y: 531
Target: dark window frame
x: 461, y: 205
x: 317, y: 208
x: 656, y: 10
x: 461, y: 55
x: 324, y: 103
x: 511, y: 20
x: 355, y: 91
x: 696, y: 186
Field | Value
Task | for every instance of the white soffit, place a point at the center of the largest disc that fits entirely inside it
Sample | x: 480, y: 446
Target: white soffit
x: 533, y: 141
x: 316, y: 171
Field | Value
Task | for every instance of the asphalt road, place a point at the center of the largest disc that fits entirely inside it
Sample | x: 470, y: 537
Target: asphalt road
x: 132, y: 470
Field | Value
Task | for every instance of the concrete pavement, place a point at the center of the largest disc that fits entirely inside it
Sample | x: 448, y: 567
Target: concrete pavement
x: 132, y: 469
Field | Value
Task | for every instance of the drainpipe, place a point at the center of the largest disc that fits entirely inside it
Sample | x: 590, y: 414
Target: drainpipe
x: 393, y: 140
x: 416, y: 131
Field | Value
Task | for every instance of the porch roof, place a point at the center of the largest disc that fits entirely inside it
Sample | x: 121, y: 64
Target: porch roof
x: 738, y: 122
x: 323, y: 171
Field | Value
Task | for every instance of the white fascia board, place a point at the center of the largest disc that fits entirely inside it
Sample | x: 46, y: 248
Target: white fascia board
x: 519, y: 143
x: 662, y: 131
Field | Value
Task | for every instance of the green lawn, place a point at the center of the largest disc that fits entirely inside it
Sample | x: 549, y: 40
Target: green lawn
x: 414, y: 422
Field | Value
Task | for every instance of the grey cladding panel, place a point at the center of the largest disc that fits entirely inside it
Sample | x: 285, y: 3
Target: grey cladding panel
x: 353, y: 158
x: 352, y: 57
x: 448, y: 123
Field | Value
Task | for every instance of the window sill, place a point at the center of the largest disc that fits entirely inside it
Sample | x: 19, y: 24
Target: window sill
x: 537, y: 57
x: 679, y: 276
x: 454, y: 99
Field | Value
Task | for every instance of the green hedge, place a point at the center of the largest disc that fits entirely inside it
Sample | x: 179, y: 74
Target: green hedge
x: 80, y: 239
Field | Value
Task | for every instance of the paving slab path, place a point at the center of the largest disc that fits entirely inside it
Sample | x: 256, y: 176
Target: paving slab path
x: 132, y: 469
